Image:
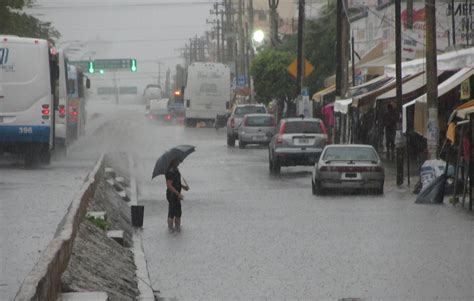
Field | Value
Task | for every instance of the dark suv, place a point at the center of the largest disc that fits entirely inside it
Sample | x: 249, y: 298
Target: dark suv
x: 299, y: 141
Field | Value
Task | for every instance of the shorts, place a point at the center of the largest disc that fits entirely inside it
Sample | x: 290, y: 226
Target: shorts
x: 174, y: 209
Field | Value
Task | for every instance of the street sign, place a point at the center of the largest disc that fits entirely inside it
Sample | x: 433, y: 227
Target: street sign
x: 293, y: 68
x: 106, y: 64
x: 241, y: 81
x: 112, y: 64
x: 122, y: 90
x: 128, y: 90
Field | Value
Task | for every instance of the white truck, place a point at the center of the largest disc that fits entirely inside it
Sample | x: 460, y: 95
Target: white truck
x: 207, y: 92
x: 28, y: 94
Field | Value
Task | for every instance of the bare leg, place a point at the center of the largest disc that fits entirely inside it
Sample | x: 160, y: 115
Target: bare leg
x: 170, y: 223
x: 177, y: 223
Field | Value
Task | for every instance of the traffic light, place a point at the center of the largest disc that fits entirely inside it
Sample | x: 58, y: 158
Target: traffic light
x: 133, y: 65
x: 101, y: 71
x: 91, y: 68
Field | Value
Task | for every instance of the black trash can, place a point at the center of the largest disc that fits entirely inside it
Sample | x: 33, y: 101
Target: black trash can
x: 137, y: 215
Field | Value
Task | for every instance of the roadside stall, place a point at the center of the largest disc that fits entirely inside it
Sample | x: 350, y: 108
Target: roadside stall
x: 460, y: 133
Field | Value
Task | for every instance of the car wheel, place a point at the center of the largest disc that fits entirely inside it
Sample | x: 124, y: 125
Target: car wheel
x: 230, y: 141
x: 276, y: 166
x: 241, y: 144
x: 379, y: 191
x: 316, y: 188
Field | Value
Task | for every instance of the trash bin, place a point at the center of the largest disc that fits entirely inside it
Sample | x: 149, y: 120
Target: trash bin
x: 137, y: 215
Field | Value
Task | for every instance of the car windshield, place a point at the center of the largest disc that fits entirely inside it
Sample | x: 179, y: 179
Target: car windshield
x: 241, y: 111
x: 304, y: 127
x: 350, y: 154
x: 260, y: 121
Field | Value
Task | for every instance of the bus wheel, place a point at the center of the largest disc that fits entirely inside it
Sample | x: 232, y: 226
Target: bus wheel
x: 30, y: 158
x: 45, y: 157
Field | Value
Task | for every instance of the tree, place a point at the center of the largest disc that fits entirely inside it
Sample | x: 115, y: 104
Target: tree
x: 271, y: 79
x: 319, y: 45
x: 15, y: 22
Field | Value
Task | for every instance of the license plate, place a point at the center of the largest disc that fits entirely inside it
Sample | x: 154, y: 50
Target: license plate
x: 303, y: 141
x: 351, y: 176
x: 257, y: 138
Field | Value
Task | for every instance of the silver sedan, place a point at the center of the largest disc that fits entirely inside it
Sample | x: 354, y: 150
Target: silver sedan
x: 256, y: 129
x: 348, y: 166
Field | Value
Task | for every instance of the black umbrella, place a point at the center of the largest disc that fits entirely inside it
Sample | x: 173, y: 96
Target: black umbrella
x: 176, y: 153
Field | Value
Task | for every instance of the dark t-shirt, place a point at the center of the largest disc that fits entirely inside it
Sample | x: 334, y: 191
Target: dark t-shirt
x: 175, y: 177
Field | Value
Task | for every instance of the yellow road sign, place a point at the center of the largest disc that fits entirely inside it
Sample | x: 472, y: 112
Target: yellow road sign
x: 308, y: 68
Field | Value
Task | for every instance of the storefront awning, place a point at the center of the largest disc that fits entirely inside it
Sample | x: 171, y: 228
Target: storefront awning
x: 368, y: 86
x: 342, y: 105
x: 453, y: 60
x: 318, y: 97
x: 443, y: 88
x: 408, y: 87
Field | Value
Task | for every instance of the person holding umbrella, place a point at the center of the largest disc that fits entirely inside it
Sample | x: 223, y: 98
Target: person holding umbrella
x: 167, y: 165
x: 173, y: 195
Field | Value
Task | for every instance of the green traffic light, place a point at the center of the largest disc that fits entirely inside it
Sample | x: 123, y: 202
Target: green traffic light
x: 133, y: 65
x: 91, y: 67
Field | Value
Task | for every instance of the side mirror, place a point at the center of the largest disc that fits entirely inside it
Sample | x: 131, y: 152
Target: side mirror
x: 88, y: 83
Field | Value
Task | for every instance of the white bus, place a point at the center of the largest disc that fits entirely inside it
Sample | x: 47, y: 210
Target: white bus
x: 77, y: 101
x: 62, y: 133
x: 28, y: 79
x: 207, y: 92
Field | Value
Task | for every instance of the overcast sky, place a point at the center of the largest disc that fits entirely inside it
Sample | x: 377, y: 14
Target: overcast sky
x: 148, y: 30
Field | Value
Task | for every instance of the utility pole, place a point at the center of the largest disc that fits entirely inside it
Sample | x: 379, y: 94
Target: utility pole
x: 273, y: 5
x: 432, y: 127
x: 222, y: 12
x: 241, y: 49
x: 300, y: 56
x: 410, y: 14
x: 342, y: 38
x: 453, y: 21
x: 398, y: 67
x: 250, y: 28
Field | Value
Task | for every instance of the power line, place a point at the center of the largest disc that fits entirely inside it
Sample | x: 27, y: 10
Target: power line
x: 119, y: 5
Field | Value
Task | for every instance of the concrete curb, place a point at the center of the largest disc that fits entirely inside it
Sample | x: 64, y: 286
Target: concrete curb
x: 44, y: 281
x: 143, y: 275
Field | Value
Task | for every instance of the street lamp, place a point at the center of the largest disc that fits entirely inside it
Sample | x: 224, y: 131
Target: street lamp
x: 258, y: 36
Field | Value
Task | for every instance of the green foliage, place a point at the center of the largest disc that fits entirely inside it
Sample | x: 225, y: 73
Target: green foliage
x: 319, y: 47
x: 15, y: 22
x: 99, y: 223
x: 271, y: 79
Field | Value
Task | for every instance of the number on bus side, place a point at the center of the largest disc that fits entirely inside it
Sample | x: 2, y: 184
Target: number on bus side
x: 26, y: 130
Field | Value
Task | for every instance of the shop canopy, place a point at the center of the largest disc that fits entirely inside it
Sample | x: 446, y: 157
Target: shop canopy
x: 448, y: 61
x: 409, y: 87
x: 443, y: 88
x: 342, y: 105
x: 365, y: 101
x: 318, y: 97
x: 462, y: 111
x: 368, y: 86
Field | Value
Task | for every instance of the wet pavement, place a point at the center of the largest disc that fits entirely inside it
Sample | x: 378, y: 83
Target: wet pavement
x: 249, y: 235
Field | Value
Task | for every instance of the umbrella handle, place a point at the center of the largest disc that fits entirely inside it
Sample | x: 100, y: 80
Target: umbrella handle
x: 185, y: 183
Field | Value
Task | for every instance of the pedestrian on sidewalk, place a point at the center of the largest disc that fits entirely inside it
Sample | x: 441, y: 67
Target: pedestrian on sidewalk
x: 174, y: 196
x: 390, y: 131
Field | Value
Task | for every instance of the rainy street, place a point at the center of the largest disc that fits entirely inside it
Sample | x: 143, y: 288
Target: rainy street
x: 249, y: 235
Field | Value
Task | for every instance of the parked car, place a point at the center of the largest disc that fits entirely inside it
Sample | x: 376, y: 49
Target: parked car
x: 256, y: 129
x: 351, y: 166
x: 299, y: 141
x: 236, y: 117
